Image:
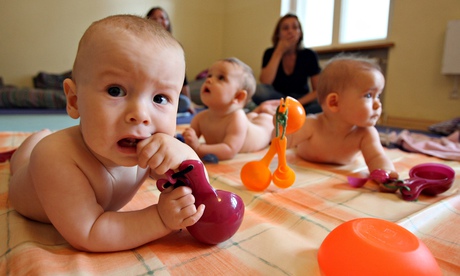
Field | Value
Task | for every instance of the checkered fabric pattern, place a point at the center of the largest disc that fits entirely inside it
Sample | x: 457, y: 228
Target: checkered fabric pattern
x: 280, y: 234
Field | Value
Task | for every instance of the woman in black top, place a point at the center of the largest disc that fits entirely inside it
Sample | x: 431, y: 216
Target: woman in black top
x: 287, y: 68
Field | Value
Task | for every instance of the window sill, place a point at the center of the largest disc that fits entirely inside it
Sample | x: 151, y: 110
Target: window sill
x: 353, y: 48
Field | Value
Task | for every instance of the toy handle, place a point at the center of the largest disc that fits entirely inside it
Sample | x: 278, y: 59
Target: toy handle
x: 256, y: 175
x: 416, y: 186
x: 267, y: 159
x: 163, y: 184
x: 190, y: 173
x: 283, y: 176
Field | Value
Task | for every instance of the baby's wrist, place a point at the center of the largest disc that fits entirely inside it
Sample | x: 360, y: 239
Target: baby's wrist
x: 162, y: 220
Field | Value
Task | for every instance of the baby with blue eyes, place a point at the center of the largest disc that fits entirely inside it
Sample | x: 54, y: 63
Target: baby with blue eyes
x: 125, y: 86
x: 349, y: 90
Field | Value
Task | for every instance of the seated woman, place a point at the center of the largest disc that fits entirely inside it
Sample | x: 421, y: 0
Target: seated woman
x: 287, y: 68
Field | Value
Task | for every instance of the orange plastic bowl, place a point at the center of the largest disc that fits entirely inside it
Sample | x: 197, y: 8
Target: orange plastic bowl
x: 369, y: 246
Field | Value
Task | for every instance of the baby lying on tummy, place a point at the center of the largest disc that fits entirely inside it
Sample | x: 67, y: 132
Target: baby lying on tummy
x: 349, y: 90
x: 226, y: 128
x: 125, y: 86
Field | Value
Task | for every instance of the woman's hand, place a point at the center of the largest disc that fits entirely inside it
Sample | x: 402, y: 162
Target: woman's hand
x: 286, y: 44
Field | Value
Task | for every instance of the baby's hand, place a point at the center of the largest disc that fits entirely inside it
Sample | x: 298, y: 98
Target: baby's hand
x: 176, y: 208
x: 162, y: 152
x: 191, y: 138
x: 384, y: 176
x: 393, y: 175
x: 386, y: 180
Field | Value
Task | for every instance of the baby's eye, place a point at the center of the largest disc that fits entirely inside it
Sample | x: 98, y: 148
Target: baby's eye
x: 368, y: 95
x: 116, y: 91
x: 221, y: 77
x: 160, y: 99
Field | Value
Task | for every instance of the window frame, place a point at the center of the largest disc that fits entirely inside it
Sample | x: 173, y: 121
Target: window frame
x: 291, y: 6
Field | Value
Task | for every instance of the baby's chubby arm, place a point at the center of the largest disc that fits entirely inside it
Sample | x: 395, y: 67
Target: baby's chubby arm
x: 373, y: 153
x: 76, y: 197
x: 76, y: 194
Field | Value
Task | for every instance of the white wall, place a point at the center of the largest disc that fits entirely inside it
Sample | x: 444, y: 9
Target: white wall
x: 248, y: 29
x: 415, y: 86
x: 43, y: 36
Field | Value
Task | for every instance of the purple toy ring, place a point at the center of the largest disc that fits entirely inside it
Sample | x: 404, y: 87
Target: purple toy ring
x: 428, y: 178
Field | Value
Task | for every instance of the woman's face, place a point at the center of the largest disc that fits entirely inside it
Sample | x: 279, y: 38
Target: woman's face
x: 289, y: 29
x: 160, y: 17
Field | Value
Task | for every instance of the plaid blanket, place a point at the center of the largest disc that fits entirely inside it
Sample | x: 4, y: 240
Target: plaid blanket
x: 280, y: 234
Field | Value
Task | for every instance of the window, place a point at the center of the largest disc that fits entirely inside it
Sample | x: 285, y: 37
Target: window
x: 332, y: 23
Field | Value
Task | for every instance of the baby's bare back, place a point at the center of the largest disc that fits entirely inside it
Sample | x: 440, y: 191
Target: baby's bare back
x: 247, y: 133
x: 63, y: 173
x: 260, y: 128
x: 316, y: 142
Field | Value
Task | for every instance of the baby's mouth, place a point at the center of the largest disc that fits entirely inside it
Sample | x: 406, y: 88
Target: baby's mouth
x: 128, y: 142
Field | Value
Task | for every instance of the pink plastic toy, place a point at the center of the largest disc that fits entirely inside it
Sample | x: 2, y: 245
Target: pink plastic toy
x: 428, y: 178
x: 224, y: 210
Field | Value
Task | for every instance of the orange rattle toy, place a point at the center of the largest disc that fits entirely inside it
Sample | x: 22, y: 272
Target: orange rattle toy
x: 256, y: 175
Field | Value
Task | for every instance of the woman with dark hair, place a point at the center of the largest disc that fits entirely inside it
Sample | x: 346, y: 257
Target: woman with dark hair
x: 159, y: 15
x: 287, y: 68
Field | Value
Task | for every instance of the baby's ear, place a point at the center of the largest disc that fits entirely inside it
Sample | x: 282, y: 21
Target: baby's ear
x: 70, y: 90
x: 241, y: 95
x: 332, y: 101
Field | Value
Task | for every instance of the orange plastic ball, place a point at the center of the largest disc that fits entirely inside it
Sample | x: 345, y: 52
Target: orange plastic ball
x: 296, y: 115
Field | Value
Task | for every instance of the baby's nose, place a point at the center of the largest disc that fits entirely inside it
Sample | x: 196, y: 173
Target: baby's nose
x: 138, y: 114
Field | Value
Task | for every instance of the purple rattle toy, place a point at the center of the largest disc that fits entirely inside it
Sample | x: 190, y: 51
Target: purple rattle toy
x: 224, y: 210
x: 428, y: 178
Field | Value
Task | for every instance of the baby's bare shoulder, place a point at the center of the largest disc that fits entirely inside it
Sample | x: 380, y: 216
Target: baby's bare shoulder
x: 63, y: 149
x: 312, y: 120
x: 309, y: 127
x: 369, y: 134
x: 66, y: 139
